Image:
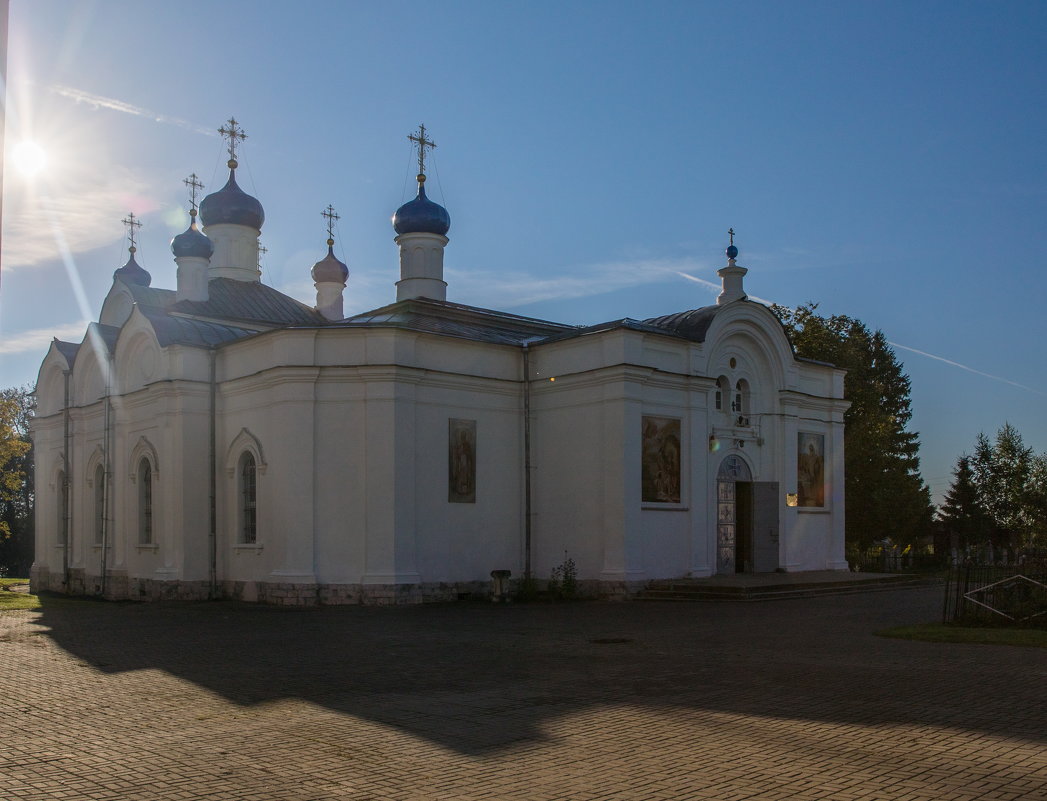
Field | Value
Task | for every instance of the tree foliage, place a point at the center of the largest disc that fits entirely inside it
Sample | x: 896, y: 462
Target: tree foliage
x: 962, y: 512
x: 1010, y: 484
x: 17, y: 406
x: 886, y: 496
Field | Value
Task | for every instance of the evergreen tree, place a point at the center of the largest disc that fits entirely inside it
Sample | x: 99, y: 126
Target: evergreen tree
x: 17, y: 406
x: 1003, y: 473
x: 886, y: 496
x: 1037, y: 500
x: 962, y: 513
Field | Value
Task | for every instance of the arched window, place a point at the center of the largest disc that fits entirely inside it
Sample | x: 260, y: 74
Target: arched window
x: 99, y: 488
x: 740, y: 403
x: 723, y: 391
x: 248, y: 491
x: 63, y: 506
x: 145, y: 502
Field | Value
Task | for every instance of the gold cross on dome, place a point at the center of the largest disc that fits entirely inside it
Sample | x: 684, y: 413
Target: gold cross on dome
x: 234, y: 134
x: 132, y: 223
x: 193, y: 182
x: 330, y: 215
x: 422, y: 143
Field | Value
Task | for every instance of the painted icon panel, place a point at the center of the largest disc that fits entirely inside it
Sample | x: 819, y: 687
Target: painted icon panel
x: 660, y: 469
x: 810, y: 469
x: 461, y: 455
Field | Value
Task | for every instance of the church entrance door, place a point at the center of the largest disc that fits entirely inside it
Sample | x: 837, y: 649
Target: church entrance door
x: 733, y: 514
x: 765, y: 526
x: 746, y: 520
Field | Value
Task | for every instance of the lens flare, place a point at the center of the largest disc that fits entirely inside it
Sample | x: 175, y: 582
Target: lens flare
x: 29, y: 158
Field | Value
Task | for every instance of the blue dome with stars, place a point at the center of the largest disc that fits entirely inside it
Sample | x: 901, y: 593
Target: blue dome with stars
x: 421, y: 215
x: 133, y: 273
x: 192, y: 243
x: 232, y: 205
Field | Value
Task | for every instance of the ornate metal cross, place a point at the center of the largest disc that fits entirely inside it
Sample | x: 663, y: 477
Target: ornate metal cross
x: 234, y: 134
x: 730, y: 231
x: 330, y: 215
x: 131, y: 224
x: 193, y: 182
x: 422, y: 143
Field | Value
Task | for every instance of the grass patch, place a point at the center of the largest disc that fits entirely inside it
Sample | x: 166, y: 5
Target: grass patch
x: 939, y: 632
x: 16, y: 600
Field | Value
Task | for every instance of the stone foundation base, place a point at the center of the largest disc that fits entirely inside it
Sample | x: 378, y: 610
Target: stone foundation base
x: 615, y: 590
x: 120, y: 587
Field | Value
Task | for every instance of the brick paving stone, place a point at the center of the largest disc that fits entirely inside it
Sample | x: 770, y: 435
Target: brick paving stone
x: 710, y: 701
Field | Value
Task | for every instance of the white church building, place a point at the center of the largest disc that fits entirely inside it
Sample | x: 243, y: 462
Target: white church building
x: 223, y: 440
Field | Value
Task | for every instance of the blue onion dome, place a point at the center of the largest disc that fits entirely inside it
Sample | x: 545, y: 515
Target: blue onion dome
x: 132, y: 272
x: 732, y: 252
x: 232, y: 205
x: 329, y: 269
x: 192, y: 243
x: 421, y: 215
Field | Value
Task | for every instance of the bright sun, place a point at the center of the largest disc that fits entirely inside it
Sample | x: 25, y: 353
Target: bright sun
x: 29, y: 158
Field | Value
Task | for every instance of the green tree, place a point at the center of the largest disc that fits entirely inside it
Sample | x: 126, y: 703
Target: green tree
x: 1037, y: 499
x: 962, y: 513
x: 1004, y: 474
x: 17, y: 406
x: 886, y: 496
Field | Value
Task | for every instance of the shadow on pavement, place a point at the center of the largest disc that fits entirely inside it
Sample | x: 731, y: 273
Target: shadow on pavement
x: 477, y: 678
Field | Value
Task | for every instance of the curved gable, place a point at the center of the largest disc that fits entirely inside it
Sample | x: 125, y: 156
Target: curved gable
x: 749, y: 333
x: 139, y: 358
x: 50, y: 381
x: 117, y: 306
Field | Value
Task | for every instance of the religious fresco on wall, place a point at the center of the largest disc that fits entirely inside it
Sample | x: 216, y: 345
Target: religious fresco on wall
x: 660, y: 467
x: 810, y: 469
x: 461, y: 465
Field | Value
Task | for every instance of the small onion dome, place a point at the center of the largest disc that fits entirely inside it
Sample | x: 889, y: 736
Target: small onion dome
x: 232, y: 205
x: 732, y: 252
x: 421, y: 215
x: 132, y: 273
x: 192, y: 243
x: 329, y: 270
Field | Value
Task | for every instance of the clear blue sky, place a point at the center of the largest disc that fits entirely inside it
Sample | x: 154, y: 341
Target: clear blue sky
x: 885, y: 160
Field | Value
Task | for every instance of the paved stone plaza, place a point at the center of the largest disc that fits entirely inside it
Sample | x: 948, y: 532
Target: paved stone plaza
x: 719, y: 700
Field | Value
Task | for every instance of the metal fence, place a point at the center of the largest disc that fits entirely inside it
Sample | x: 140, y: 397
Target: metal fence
x: 992, y: 594
x: 879, y: 560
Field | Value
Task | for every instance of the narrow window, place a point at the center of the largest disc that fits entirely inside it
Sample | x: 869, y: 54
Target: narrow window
x: 741, y: 399
x: 145, y: 502
x: 99, y: 489
x: 248, y: 499
x: 723, y: 391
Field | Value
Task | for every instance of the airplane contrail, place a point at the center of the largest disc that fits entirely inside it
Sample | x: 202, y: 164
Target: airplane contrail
x: 99, y: 101
x: 965, y: 367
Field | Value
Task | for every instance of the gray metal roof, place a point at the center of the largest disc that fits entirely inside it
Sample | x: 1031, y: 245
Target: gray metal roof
x: 67, y: 349
x: 457, y: 320
x: 174, y: 330
x: 692, y: 325
x: 248, y: 302
x: 151, y: 296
